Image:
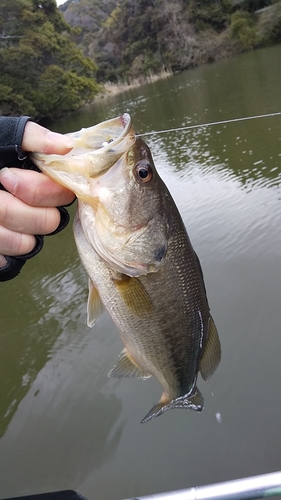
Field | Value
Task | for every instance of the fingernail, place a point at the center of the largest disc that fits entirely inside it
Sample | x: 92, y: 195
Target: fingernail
x: 8, y: 179
x: 62, y: 140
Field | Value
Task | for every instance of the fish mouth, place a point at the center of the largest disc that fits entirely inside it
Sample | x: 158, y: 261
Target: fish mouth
x: 102, y: 137
x: 95, y: 150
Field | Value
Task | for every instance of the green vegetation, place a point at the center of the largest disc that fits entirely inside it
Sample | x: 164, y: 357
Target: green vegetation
x: 43, y: 73
x: 243, y: 29
x: 51, y: 59
x: 137, y: 38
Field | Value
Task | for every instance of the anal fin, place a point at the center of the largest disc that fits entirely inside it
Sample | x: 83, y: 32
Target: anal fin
x: 126, y: 367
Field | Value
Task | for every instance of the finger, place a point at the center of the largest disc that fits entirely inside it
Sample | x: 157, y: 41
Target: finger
x: 3, y: 261
x: 15, y: 244
x: 16, y: 215
x: 34, y: 188
x: 37, y: 138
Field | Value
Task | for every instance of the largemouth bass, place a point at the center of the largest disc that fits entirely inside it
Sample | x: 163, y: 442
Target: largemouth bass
x: 141, y: 265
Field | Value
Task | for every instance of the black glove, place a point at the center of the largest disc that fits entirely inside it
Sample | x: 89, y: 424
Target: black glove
x: 11, y: 155
x: 11, y: 134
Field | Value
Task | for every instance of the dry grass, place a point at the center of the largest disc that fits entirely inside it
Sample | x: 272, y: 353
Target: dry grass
x: 112, y: 89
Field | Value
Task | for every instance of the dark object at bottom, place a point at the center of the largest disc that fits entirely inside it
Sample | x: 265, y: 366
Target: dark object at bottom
x: 57, y: 495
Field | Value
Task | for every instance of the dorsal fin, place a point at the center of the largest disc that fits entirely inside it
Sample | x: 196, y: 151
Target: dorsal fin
x: 212, y: 352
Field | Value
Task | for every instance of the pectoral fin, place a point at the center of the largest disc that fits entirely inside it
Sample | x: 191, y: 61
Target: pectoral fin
x: 94, y: 306
x: 212, y: 352
x: 126, y: 367
x: 134, y: 295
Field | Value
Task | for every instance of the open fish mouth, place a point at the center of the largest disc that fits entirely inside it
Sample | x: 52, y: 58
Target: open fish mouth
x: 95, y: 150
x: 106, y: 135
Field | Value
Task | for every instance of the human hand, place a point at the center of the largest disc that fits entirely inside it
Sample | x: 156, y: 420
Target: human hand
x: 27, y: 208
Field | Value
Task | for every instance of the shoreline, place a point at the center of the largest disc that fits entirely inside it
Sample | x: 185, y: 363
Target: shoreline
x: 112, y: 89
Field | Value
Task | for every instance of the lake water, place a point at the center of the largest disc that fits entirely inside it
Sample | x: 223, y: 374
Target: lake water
x: 63, y: 423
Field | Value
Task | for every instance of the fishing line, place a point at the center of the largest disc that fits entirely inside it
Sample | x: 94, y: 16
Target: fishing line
x: 210, y: 124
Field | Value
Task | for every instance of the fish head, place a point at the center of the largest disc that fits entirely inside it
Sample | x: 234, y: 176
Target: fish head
x: 128, y: 224
x: 120, y: 195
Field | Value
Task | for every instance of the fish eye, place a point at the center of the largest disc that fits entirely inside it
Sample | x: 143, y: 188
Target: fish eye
x: 144, y: 172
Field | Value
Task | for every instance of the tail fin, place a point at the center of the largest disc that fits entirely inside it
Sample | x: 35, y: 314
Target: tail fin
x: 193, y: 401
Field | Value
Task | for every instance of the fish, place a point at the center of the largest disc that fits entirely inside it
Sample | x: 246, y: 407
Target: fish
x: 140, y: 263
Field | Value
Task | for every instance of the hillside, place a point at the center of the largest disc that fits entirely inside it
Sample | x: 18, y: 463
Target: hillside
x: 133, y: 38
x: 70, y: 51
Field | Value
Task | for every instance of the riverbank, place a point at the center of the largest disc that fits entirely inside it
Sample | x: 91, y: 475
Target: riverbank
x: 205, y: 43
x: 111, y: 89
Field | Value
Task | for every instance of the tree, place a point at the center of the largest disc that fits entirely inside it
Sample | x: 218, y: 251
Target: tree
x: 134, y: 38
x: 243, y: 29
x: 43, y: 73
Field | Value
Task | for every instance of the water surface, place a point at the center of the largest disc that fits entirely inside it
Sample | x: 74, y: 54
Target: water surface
x: 63, y: 423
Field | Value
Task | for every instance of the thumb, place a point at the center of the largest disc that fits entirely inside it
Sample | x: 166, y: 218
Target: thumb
x: 41, y: 140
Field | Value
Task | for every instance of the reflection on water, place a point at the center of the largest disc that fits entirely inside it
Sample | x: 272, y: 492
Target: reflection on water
x: 54, y: 414
x: 37, y: 313
x: 63, y: 423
